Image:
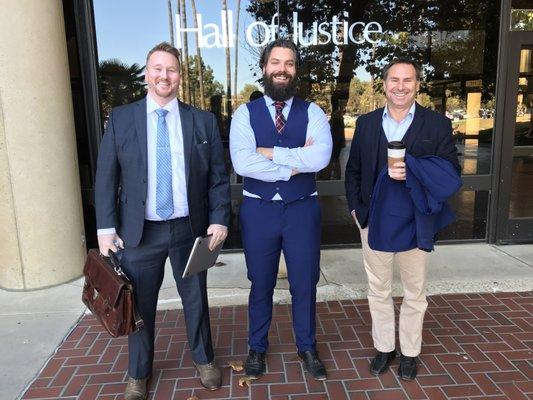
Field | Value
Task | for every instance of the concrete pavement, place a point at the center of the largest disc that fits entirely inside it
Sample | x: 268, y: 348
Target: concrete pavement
x: 33, y: 324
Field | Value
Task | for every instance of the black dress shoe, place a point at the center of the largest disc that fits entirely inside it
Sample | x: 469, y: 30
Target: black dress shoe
x: 381, y: 362
x: 255, y: 365
x: 313, y: 365
x: 407, y: 370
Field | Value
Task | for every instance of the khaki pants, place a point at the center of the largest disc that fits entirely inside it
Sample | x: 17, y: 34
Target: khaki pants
x: 379, y: 270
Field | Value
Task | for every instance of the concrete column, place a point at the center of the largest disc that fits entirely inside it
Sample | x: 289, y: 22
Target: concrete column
x: 42, y: 239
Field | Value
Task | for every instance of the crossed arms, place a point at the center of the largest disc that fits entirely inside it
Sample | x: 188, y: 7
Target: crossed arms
x: 279, y: 163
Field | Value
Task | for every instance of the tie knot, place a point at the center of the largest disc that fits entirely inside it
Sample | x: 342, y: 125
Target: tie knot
x: 161, y: 112
x: 279, y: 105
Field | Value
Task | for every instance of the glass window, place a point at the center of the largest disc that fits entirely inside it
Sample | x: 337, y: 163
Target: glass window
x: 521, y: 15
x: 521, y: 205
x: 470, y: 208
x: 344, y: 47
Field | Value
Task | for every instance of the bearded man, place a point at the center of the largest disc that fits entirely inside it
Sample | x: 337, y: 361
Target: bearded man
x: 278, y: 143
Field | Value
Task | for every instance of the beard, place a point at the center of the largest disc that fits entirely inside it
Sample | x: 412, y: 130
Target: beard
x: 279, y: 92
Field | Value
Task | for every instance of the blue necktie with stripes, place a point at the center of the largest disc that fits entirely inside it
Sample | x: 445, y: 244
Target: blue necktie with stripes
x: 163, y: 196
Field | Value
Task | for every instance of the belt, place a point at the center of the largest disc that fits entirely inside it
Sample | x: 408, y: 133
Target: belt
x: 168, y: 221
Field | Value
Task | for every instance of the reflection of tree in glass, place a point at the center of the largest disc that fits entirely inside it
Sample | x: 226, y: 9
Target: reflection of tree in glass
x: 454, y: 103
x: 185, y: 54
x: 211, y: 86
x: 424, y: 100
x: 119, y: 84
x: 228, y: 61
x: 363, y: 98
x: 327, y: 63
x: 458, y: 52
x: 409, y: 27
x: 199, y: 71
x: 321, y: 94
x: 521, y: 20
x: 244, y: 94
x: 236, y: 54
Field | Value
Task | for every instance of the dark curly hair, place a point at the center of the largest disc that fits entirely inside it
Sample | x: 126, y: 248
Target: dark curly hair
x: 281, y: 42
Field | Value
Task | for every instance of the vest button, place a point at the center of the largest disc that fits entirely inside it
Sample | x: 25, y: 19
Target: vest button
x: 279, y: 140
x: 277, y: 188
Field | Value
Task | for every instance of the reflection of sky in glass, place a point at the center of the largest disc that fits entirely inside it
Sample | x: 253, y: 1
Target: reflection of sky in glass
x: 127, y: 29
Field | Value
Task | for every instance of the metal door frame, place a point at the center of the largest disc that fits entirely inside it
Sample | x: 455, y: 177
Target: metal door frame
x: 505, y: 229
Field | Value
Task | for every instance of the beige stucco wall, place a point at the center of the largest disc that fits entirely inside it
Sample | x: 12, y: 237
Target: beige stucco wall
x: 41, y: 222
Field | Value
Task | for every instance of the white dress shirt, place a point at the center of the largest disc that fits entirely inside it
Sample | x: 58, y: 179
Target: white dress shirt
x: 248, y: 163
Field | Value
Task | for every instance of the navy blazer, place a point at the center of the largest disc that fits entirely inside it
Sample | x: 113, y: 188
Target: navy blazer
x: 408, y: 214
x: 122, y: 175
x: 430, y: 134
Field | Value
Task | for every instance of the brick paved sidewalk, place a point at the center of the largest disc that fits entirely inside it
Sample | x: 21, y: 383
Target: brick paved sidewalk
x: 476, y: 346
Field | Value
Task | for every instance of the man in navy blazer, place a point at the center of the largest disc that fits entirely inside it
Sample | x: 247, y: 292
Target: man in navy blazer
x: 161, y: 182
x: 424, y: 133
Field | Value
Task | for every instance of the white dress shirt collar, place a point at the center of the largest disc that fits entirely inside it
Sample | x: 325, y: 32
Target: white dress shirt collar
x: 151, y: 105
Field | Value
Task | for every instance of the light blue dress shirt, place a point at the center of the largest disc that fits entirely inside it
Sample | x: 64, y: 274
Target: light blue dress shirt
x: 395, y: 131
x: 179, y: 188
x: 248, y: 163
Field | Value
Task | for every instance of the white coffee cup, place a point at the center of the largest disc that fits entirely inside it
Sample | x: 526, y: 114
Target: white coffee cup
x: 395, y: 153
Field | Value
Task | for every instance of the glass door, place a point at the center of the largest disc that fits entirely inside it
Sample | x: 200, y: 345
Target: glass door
x: 515, y: 212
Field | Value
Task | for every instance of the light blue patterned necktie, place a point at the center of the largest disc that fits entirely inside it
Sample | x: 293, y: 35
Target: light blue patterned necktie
x: 163, y: 193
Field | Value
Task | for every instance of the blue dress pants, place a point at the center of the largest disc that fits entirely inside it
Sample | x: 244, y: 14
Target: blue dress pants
x: 267, y: 228
x: 145, y: 267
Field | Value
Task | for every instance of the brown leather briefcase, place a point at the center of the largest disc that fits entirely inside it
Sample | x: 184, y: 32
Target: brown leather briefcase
x: 108, y: 293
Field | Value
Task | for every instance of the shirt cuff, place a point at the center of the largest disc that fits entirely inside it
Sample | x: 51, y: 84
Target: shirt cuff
x: 285, y: 173
x: 280, y: 154
x: 356, y: 220
x: 106, y: 231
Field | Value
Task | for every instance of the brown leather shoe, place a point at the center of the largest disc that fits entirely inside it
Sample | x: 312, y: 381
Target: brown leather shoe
x: 136, y: 389
x: 210, y: 375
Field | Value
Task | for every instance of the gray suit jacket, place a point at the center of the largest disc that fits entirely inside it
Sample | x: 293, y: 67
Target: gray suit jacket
x: 122, y: 176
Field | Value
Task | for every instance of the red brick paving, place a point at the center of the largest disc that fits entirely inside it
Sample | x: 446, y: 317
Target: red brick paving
x: 476, y: 346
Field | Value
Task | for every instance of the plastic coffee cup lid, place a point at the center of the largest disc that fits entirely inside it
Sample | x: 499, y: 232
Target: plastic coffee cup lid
x: 396, y: 145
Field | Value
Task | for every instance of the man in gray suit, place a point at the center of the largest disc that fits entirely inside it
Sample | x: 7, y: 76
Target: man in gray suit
x: 160, y: 182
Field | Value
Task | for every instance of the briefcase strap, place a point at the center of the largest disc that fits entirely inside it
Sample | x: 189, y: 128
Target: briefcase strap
x: 139, y: 323
x: 116, y: 263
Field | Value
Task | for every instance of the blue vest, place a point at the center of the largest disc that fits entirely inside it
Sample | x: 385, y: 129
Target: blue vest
x: 266, y: 135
